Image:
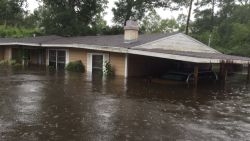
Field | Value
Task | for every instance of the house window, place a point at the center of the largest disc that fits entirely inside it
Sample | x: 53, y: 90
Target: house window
x: 57, y: 58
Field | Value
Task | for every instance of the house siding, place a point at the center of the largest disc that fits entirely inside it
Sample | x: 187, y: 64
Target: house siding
x: 117, y: 61
x: 7, y: 53
x: 78, y: 54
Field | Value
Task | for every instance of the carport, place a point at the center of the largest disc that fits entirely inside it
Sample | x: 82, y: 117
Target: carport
x: 155, y: 62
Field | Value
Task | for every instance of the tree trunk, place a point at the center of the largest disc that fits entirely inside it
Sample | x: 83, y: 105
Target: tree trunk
x: 129, y: 12
x: 212, y: 23
x: 189, y: 15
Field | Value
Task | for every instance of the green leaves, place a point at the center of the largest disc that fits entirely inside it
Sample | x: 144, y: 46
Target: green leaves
x: 231, y: 27
x: 7, y: 31
x: 11, y: 12
x: 71, y: 18
x: 152, y: 23
x: 135, y: 9
x: 76, y: 66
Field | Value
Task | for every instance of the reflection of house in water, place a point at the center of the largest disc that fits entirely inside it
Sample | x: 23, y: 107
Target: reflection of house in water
x: 129, y: 54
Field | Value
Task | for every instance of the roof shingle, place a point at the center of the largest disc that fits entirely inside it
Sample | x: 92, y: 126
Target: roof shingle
x: 105, y: 40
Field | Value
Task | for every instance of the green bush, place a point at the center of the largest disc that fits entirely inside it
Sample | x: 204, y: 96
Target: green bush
x: 9, y: 62
x: 109, y: 71
x: 4, y: 62
x: 76, y: 66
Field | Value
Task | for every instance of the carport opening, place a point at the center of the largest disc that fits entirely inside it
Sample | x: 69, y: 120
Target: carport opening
x: 156, y: 67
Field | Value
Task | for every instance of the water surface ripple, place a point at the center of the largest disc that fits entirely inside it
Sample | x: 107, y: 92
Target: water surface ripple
x: 37, y: 105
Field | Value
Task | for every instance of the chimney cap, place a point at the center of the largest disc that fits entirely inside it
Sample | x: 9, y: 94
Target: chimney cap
x: 131, y: 25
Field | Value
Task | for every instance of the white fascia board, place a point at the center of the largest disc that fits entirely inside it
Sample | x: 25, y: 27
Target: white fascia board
x: 173, y: 57
x: 91, y: 47
x: 241, y: 62
x: 19, y: 44
x: 59, y: 45
x: 182, y: 58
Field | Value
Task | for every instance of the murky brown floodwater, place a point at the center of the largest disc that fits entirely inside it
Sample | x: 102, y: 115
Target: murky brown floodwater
x: 38, y: 105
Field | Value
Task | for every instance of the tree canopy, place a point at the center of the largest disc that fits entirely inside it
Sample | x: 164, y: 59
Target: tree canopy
x: 74, y: 17
x: 135, y: 9
x: 11, y: 12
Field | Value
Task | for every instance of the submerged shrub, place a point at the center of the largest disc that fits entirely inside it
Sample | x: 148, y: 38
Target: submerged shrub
x: 9, y: 62
x: 109, y: 71
x: 4, y: 62
x: 76, y: 66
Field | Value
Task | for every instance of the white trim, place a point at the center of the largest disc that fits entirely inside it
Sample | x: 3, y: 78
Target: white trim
x: 90, y: 60
x: 19, y: 44
x: 66, y: 55
x: 90, y: 47
x: 81, y: 46
x: 47, y: 57
x: 126, y: 66
x: 182, y: 58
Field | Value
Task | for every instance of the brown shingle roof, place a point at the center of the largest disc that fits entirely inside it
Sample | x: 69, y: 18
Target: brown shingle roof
x: 109, y: 40
x: 28, y: 40
x: 105, y: 40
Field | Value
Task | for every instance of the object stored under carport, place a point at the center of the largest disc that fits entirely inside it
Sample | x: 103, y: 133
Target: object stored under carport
x: 182, y: 77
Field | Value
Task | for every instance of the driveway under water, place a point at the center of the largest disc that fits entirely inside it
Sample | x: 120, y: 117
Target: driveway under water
x: 37, y: 105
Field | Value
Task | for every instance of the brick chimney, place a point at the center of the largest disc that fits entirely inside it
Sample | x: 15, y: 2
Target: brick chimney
x: 131, y: 31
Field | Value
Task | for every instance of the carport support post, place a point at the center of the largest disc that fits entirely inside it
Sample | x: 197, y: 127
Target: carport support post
x: 196, y: 71
x: 223, y: 71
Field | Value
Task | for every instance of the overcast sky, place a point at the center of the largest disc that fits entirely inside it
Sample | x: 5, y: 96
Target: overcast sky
x: 33, y: 4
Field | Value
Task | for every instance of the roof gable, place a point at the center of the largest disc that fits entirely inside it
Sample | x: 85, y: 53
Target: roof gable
x: 178, y: 42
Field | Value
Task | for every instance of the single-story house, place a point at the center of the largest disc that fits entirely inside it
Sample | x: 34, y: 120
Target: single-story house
x: 130, y: 54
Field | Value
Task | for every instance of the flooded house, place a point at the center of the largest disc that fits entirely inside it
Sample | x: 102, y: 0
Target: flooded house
x: 130, y: 54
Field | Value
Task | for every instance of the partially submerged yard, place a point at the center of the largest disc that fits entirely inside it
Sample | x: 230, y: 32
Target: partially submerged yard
x: 39, y: 105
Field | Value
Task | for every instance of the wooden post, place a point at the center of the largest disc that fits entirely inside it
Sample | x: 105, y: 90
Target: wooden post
x: 196, y: 72
x: 223, y: 71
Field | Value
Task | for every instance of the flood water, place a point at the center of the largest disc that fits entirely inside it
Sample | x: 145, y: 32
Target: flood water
x: 38, y: 105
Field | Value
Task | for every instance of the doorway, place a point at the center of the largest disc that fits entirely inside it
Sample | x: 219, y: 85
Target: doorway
x: 97, y: 64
